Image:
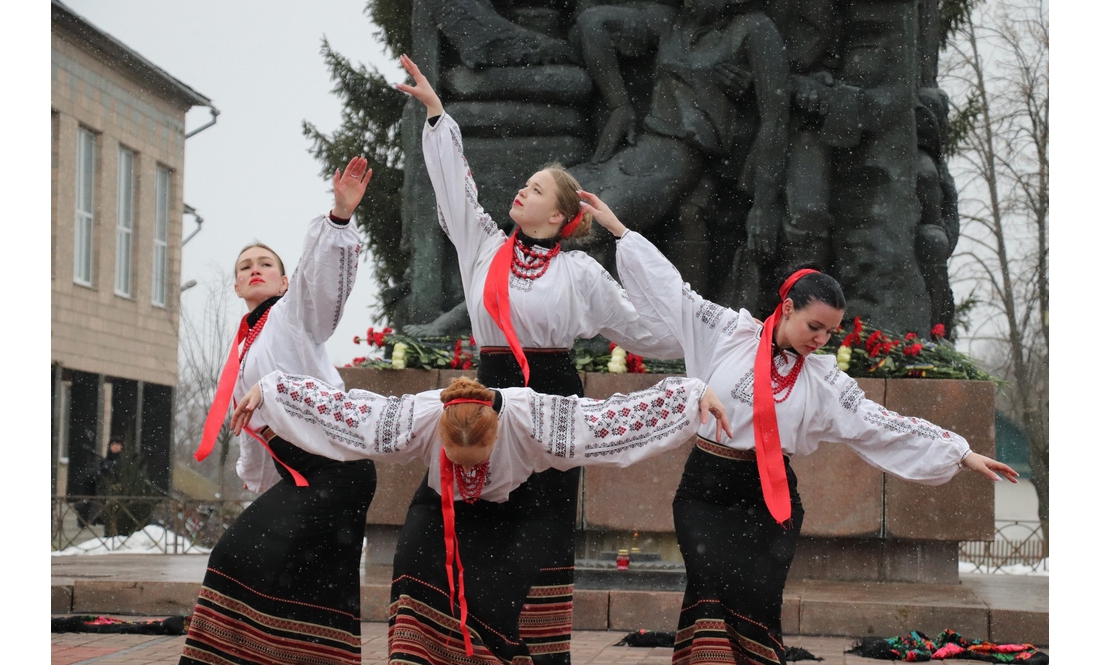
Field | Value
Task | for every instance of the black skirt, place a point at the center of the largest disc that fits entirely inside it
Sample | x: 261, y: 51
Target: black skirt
x: 282, y: 584
x: 517, y: 555
x: 737, y: 558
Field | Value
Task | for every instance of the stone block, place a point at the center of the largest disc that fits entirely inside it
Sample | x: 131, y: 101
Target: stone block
x: 447, y: 375
x: 961, y: 509
x: 873, y: 609
x: 590, y: 609
x: 1020, y: 626
x: 635, y: 498
x: 841, y: 494
x: 124, y: 597
x: 652, y: 610
x: 561, y: 84
x: 505, y: 119
x: 389, y: 382
x: 396, y: 485
x: 61, y: 598
x: 921, y: 561
x: 840, y: 559
x: 374, y: 602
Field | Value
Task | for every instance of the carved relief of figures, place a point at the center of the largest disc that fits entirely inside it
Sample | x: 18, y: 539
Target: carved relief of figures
x: 742, y: 136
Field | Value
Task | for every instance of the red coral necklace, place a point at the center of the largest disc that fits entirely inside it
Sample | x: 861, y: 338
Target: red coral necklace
x: 530, y: 264
x: 781, y: 384
x: 470, y: 483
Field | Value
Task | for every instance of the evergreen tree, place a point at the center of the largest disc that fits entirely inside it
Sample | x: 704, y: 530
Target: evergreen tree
x: 371, y: 126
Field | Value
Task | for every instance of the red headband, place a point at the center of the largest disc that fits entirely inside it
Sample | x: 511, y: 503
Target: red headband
x: 464, y: 400
x: 769, y: 449
x: 569, y: 228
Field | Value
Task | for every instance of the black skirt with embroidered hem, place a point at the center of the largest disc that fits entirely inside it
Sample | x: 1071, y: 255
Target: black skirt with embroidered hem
x: 517, y: 556
x: 282, y: 584
x: 737, y: 559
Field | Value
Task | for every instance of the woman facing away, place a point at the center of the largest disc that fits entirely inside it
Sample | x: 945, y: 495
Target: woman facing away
x: 469, y: 563
x: 527, y: 301
x: 282, y: 584
x: 737, y: 512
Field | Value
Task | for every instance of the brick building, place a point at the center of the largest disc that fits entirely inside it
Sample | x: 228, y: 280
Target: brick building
x: 117, y: 143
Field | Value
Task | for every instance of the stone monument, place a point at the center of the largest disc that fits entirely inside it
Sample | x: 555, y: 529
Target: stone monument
x: 742, y: 136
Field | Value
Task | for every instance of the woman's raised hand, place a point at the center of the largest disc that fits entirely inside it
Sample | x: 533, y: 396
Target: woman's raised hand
x: 601, y: 213
x: 989, y: 467
x: 710, y: 403
x: 253, y: 399
x: 422, y: 90
x: 348, y: 187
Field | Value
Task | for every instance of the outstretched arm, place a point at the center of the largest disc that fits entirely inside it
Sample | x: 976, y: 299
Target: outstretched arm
x: 421, y: 90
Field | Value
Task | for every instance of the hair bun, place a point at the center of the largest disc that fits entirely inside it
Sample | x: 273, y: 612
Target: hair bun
x: 464, y: 387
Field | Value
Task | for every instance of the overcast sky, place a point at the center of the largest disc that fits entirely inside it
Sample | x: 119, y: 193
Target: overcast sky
x: 250, y: 176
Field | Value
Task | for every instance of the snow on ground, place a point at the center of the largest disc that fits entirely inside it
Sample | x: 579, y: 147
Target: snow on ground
x: 152, y: 539
x: 1041, y: 569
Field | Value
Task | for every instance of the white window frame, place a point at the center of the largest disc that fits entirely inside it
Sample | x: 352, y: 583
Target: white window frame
x: 124, y: 228
x: 84, y: 217
x: 162, y: 194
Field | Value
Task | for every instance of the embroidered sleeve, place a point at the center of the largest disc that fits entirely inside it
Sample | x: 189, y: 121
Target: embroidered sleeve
x: 337, y: 424
x: 904, y: 446
x: 472, y: 231
x: 610, y: 313
x: 319, y: 287
x: 620, y: 430
x: 663, y: 299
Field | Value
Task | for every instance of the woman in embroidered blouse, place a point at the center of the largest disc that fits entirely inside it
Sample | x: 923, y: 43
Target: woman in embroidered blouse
x: 283, y: 582
x: 737, y: 521
x: 528, y: 301
x: 487, y: 442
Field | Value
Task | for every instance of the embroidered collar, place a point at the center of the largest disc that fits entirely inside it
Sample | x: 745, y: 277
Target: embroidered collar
x: 546, y: 243
x: 255, y: 314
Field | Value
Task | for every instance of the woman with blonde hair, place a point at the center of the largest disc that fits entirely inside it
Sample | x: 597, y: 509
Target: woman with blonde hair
x: 528, y: 301
x: 480, y: 446
x: 282, y: 584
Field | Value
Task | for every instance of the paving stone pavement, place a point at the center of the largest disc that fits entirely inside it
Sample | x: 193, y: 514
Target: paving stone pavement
x: 590, y: 647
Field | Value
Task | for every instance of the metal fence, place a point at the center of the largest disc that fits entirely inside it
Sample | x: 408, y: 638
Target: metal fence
x: 96, y: 524
x: 1018, y: 546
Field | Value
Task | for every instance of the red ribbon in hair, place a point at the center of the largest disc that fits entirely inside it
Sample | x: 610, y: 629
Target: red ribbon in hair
x: 450, y: 539
x: 465, y: 400
x: 769, y: 450
x: 495, y: 295
x: 215, y: 418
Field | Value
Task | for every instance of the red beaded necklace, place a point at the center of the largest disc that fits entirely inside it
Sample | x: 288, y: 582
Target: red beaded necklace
x: 530, y: 264
x: 254, y: 332
x: 782, y: 383
x: 470, y: 483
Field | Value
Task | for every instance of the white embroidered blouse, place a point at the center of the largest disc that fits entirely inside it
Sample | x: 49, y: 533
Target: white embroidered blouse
x: 298, y: 325
x: 719, y: 346
x: 536, y: 432
x: 575, y: 298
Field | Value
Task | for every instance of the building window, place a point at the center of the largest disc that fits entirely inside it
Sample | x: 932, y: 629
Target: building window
x: 124, y: 231
x: 160, y: 239
x: 84, y: 223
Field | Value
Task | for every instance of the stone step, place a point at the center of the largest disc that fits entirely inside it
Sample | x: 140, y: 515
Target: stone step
x: 1001, y: 608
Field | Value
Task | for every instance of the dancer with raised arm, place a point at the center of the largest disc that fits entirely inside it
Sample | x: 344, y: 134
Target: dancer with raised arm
x: 737, y: 512
x: 528, y: 301
x: 468, y: 564
x: 282, y: 584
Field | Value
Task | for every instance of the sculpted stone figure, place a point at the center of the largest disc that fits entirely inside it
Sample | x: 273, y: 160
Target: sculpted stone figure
x: 719, y: 105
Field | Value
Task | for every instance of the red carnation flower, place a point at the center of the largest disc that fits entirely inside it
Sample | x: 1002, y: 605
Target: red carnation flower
x: 355, y: 339
x: 912, y: 349
x: 909, y: 337
x: 612, y: 347
x: 857, y: 327
x: 938, y: 331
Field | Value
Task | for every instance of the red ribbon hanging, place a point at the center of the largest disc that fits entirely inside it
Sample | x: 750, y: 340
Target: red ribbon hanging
x: 450, y: 539
x: 495, y: 294
x: 495, y: 297
x: 769, y: 449
x: 223, y: 396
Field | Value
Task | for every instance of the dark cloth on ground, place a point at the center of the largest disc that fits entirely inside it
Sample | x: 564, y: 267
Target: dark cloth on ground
x: 90, y: 623
x: 916, y: 647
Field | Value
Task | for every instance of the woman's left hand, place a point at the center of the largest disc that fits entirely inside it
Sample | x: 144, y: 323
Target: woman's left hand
x: 253, y: 399
x: 989, y: 467
x: 348, y: 187
x: 710, y: 403
x: 601, y: 213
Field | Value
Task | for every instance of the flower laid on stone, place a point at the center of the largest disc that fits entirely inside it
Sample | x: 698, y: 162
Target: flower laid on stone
x: 885, y: 354
x: 617, y: 365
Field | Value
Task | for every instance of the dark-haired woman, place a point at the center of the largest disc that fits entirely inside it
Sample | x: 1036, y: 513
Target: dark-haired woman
x: 282, y: 584
x: 528, y: 301
x: 470, y: 557
x: 737, y: 513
